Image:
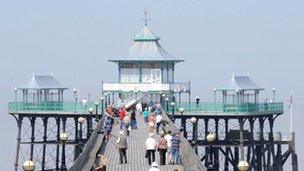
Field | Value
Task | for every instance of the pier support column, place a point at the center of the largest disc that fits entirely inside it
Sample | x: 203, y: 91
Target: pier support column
x: 58, y: 140
x: 45, y: 121
x: 252, y: 161
x: 76, y: 148
x: 33, y: 119
x: 216, y: 149
x: 206, y: 148
x: 63, y: 166
x: 19, y: 124
x: 226, y: 148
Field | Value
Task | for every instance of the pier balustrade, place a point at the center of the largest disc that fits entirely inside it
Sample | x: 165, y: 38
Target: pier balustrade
x: 218, y: 107
x: 67, y: 106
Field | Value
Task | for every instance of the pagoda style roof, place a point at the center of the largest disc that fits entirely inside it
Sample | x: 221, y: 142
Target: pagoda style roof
x: 241, y: 83
x: 146, y: 48
x: 39, y: 82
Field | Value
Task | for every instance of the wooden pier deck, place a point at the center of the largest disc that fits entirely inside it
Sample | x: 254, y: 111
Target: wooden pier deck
x: 135, y: 152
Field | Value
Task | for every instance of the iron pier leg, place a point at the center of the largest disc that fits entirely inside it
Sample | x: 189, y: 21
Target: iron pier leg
x: 294, y: 157
x: 183, y: 125
x: 32, y: 137
x: 76, y: 148
x: 45, y: 120
x: 63, y: 166
x: 259, y: 147
x: 216, y: 149
x: 58, y: 140
x: 226, y: 148
x: 206, y: 148
x: 19, y: 124
x: 252, y: 162
x: 236, y: 158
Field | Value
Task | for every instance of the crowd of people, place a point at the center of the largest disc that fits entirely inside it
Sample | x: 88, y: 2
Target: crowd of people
x: 166, y: 143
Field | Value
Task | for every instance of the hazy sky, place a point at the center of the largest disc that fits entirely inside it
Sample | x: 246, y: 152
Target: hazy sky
x: 74, y: 40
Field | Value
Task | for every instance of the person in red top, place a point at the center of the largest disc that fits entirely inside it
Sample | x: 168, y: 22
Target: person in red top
x: 122, y: 114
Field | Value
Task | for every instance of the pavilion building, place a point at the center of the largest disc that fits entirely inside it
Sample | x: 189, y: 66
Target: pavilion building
x: 146, y: 68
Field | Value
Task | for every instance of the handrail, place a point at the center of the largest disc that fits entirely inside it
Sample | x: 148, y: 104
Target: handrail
x: 218, y: 107
x: 189, y: 158
x: 86, y: 159
x: 66, y: 106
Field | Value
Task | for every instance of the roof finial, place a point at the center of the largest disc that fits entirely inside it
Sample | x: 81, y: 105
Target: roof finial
x: 146, y: 19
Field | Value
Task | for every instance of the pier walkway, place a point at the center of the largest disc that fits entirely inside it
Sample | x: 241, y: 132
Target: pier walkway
x: 136, y: 150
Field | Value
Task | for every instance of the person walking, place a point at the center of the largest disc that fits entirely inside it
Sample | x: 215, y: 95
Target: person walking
x: 154, y: 167
x: 175, y: 146
x: 122, y: 114
x: 126, y: 122
x: 122, y: 147
x: 158, y: 122
x: 146, y: 115
x: 138, y: 108
x: 150, y: 146
x: 162, y: 148
x: 107, y: 126
x: 168, y: 137
x: 133, y: 120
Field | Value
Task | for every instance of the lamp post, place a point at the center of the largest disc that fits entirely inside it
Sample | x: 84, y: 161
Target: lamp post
x: 179, y: 97
x: 183, y: 122
x: 63, y: 138
x: 163, y: 95
x: 167, y: 103
x: 28, y: 165
x: 160, y: 97
x: 210, y: 139
x: 96, y: 109
x: 243, y: 165
x: 173, y: 109
x: 80, y: 121
x: 136, y: 92
x: 194, y: 132
x: 274, y: 94
x: 91, y: 110
x: 181, y: 110
x: 214, y: 94
x: 102, y: 99
x: 197, y: 100
x: 75, y: 99
x: 106, y: 100
x: 15, y: 90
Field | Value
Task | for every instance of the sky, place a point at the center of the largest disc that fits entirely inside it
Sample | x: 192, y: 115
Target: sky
x: 216, y: 38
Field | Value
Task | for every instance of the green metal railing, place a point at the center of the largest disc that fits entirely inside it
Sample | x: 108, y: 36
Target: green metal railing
x: 68, y: 106
x: 211, y: 107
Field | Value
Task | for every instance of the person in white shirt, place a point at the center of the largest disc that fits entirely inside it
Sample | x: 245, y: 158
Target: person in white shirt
x: 151, y: 148
x: 168, y: 137
x: 154, y: 167
x: 138, y: 108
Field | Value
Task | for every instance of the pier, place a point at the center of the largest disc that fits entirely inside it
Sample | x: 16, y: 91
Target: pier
x: 233, y: 131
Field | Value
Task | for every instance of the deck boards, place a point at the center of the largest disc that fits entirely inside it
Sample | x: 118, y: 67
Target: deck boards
x: 135, y: 152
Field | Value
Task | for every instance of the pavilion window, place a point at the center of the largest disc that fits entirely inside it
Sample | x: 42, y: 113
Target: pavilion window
x: 151, y: 73
x: 129, y: 73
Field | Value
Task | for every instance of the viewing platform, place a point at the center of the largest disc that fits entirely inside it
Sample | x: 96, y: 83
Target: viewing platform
x: 69, y: 107
x: 218, y: 108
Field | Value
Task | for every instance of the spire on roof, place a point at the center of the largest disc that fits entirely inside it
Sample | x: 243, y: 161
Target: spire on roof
x: 146, y: 19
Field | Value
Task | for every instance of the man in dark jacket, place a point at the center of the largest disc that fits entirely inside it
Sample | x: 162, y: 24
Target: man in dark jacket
x: 122, y: 147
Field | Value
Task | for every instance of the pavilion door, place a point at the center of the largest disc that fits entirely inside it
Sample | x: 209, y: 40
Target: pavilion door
x: 156, y: 76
